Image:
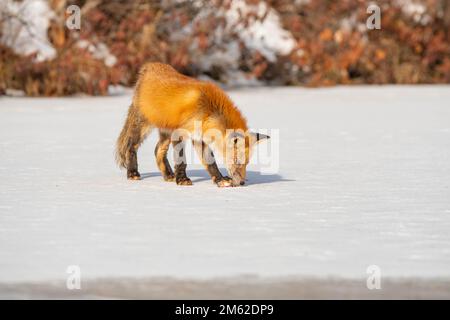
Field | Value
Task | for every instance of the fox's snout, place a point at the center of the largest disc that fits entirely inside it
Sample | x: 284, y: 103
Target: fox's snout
x: 238, y: 181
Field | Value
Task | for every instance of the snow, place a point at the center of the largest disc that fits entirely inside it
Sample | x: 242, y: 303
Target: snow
x: 364, y: 180
x: 414, y: 9
x: 259, y: 27
x: 25, y: 26
x: 99, y: 51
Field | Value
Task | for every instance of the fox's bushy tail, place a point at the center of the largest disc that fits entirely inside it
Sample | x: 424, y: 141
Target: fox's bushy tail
x: 123, y: 142
x: 127, y: 137
x: 134, y: 131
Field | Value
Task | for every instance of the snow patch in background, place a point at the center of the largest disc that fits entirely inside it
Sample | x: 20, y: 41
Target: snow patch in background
x: 119, y: 90
x: 14, y: 93
x: 262, y: 31
x: 302, y: 2
x: 257, y: 27
x: 25, y: 26
x: 414, y: 9
x: 350, y: 23
x: 99, y: 51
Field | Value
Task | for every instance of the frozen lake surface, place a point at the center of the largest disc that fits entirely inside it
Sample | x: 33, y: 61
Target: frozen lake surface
x: 364, y: 179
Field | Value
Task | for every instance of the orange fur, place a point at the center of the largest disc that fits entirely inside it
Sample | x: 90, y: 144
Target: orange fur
x: 170, y: 100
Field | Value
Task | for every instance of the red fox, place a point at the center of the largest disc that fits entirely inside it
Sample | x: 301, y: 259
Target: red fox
x: 170, y: 101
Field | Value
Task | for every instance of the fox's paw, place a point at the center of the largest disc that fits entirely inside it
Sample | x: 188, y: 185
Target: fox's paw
x: 184, y: 181
x: 169, y: 178
x: 224, y: 182
x: 133, y: 175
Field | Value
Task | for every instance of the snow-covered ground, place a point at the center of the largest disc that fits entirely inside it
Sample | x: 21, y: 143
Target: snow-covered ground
x: 364, y: 179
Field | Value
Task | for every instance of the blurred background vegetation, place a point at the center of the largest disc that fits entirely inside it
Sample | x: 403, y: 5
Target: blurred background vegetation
x: 236, y: 43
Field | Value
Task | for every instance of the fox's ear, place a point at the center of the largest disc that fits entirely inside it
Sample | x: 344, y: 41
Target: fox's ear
x: 257, y: 137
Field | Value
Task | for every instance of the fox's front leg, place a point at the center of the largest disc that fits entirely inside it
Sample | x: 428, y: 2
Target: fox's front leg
x: 207, y: 156
x: 161, y: 156
x: 180, y: 163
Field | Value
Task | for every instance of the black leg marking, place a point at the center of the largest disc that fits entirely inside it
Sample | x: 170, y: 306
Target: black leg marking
x: 207, y: 156
x: 132, y: 167
x: 161, y: 157
x: 180, y: 163
x: 133, y: 134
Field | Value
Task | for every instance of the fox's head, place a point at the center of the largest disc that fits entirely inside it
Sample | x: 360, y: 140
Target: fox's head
x: 238, y: 152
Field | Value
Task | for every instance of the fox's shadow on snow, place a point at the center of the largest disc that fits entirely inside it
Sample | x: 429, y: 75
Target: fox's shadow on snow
x: 253, y: 177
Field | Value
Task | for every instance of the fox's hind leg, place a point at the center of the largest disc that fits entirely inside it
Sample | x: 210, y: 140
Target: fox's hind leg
x: 161, y: 156
x: 135, y: 130
x: 180, y: 163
